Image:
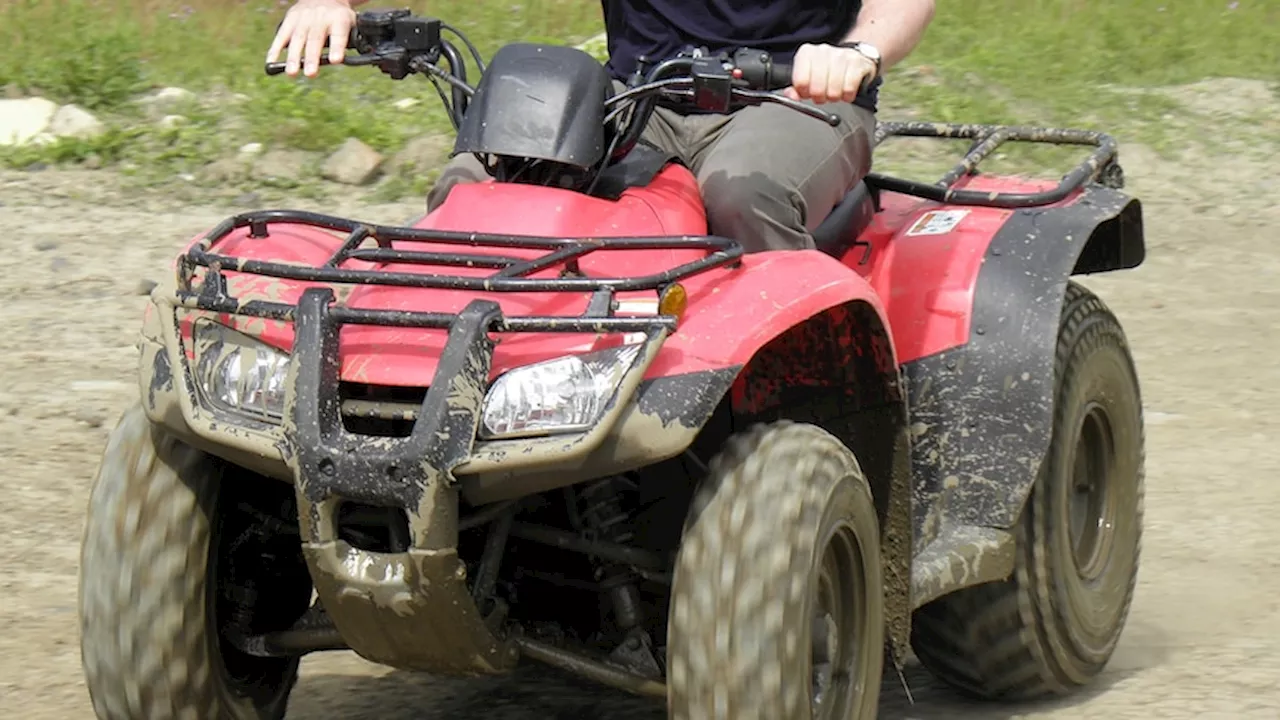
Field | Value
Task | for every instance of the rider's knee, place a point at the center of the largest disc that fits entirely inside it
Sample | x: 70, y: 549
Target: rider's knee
x: 462, y: 169
x: 756, y: 210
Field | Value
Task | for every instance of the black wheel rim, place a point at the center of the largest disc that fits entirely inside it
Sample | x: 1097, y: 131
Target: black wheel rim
x: 837, y: 626
x: 237, y: 608
x: 1092, y: 505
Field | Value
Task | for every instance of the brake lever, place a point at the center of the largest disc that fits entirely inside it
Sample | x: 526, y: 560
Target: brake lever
x: 760, y: 96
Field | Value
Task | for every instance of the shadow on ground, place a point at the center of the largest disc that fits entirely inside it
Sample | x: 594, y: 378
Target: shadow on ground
x: 537, y: 693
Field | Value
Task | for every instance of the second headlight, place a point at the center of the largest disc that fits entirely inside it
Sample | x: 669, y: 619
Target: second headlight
x: 239, y: 374
x: 567, y: 394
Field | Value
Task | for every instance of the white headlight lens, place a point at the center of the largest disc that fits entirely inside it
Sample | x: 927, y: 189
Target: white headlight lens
x: 567, y: 394
x: 240, y: 374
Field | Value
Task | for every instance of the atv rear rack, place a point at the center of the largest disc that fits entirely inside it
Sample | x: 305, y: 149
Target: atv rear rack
x: 986, y: 140
x: 510, y: 273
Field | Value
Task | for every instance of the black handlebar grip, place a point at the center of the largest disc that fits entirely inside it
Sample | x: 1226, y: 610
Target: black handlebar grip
x: 779, y: 76
x: 760, y: 71
x: 276, y: 68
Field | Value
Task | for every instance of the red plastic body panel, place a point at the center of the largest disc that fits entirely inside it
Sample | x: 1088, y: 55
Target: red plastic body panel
x: 921, y: 284
x: 926, y: 281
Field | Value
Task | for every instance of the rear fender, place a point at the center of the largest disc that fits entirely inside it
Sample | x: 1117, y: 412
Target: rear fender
x: 982, y: 413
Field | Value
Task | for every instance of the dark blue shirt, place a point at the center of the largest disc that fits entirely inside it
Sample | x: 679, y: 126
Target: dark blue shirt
x: 658, y: 29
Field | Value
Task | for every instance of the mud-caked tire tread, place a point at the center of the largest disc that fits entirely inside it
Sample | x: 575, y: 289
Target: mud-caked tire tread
x: 146, y: 645
x: 1009, y: 639
x: 743, y: 571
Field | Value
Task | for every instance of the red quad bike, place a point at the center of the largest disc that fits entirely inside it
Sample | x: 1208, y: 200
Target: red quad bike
x: 555, y: 420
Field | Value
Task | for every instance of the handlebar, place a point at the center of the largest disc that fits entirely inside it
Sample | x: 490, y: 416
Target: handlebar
x: 399, y: 44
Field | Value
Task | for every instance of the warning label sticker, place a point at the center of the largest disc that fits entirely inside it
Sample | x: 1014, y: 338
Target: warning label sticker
x: 937, y: 222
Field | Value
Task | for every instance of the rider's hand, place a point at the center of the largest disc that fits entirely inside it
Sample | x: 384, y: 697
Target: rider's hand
x: 305, y: 28
x: 827, y: 73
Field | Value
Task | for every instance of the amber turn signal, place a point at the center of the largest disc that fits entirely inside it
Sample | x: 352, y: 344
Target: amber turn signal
x: 673, y: 300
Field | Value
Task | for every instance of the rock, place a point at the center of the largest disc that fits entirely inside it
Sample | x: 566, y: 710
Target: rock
x: 251, y: 149
x: 247, y: 199
x: 281, y: 164
x: 225, y: 170
x: 422, y: 153
x: 73, y: 121
x: 13, y: 92
x: 22, y: 120
x: 144, y: 287
x: 93, y: 417
x: 352, y: 164
x: 164, y: 101
x: 92, y: 162
x: 46, y: 245
x: 406, y: 103
x: 168, y: 97
x: 169, y: 122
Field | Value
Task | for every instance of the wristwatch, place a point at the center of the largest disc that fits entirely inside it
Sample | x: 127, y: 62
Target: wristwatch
x: 867, y: 50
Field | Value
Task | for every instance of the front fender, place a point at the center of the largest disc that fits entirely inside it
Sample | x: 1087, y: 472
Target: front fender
x: 982, y: 413
x: 731, y: 318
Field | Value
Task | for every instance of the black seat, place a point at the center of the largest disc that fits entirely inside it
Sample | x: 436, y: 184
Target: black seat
x: 840, y: 230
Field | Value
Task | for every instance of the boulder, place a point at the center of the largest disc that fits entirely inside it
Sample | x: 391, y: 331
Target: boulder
x: 73, y: 121
x: 287, y: 165
x: 23, y: 120
x: 352, y: 164
x: 426, y: 152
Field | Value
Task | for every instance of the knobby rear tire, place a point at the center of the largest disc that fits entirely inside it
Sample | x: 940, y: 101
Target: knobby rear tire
x: 1048, y: 629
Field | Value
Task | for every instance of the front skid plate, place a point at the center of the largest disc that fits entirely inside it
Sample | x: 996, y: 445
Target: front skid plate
x: 410, y: 610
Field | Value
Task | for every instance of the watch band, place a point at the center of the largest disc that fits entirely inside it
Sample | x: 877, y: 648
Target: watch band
x: 867, y: 50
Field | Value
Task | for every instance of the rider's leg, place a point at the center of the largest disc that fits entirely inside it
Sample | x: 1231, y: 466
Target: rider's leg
x: 770, y: 175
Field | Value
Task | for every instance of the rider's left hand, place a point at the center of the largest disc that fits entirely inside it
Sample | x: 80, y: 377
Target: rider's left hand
x: 827, y: 73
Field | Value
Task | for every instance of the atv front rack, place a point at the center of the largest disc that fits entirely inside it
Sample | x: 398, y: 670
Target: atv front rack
x: 986, y: 140
x: 510, y: 273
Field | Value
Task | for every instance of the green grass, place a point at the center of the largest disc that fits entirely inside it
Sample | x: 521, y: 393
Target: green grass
x: 102, y: 54
x: 1060, y: 61
x: 1031, y: 61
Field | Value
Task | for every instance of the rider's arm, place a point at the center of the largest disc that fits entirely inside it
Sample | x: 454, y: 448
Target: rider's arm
x: 306, y: 27
x: 894, y: 27
x: 827, y: 73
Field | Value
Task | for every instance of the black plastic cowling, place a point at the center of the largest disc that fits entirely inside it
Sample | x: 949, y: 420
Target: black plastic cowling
x: 537, y: 101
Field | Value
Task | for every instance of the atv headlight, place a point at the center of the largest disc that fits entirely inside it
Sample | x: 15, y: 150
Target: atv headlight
x: 238, y: 374
x: 568, y: 394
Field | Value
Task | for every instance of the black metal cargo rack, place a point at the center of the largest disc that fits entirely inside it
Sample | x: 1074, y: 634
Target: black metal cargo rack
x: 510, y: 273
x: 1101, y: 163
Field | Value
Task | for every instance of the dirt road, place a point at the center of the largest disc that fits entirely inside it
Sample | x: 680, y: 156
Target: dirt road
x: 1203, y: 639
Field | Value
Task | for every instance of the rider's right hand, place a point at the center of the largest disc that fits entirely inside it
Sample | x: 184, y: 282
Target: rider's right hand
x: 306, y: 27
